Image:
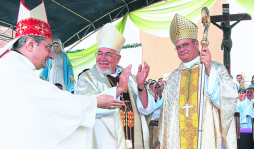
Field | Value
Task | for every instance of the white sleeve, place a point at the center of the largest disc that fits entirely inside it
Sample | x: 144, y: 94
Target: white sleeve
x: 90, y: 120
x: 213, y: 87
x: 101, y: 112
x: 150, y: 107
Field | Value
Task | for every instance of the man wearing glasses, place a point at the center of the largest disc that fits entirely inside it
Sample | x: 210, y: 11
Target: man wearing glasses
x: 178, y: 124
x: 117, y: 128
x: 34, y: 113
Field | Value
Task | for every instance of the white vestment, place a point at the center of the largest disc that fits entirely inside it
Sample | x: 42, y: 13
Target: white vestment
x: 108, y: 132
x: 246, y: 112
x: 34, y: 113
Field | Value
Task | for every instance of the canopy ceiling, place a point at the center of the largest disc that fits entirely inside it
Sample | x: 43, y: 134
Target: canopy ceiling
x: 70, y: 20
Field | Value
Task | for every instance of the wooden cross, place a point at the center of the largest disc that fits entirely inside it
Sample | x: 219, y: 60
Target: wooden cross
x: 187, y: 107
x: 227, y: 17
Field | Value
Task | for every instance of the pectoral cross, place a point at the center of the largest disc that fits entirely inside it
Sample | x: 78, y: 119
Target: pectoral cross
x: 187, y: 107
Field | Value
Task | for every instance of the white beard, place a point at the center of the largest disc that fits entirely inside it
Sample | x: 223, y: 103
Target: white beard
x: 104, y: 72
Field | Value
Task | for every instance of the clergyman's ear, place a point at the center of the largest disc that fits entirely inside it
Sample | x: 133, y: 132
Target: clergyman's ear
x: 118, y: 58
x: 30, y: 44
x: 197, y: 44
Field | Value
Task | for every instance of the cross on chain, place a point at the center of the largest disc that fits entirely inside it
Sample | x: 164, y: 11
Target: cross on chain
x: 187, y: 107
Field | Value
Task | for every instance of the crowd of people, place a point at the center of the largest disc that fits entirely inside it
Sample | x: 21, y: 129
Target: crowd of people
x: 156, y: 88
x: 245, y: 103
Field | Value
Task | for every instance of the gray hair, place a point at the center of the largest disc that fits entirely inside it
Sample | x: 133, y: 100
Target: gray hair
x: 117, y: 53
x: 104, y: 72
x: 21, y: 41
x: 194, y: 40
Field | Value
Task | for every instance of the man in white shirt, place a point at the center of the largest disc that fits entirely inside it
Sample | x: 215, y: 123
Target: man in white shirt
x: 245, y: 107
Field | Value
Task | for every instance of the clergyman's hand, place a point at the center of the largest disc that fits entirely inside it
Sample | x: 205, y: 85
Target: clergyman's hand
x: 205, y: 57
x: 108, y: 102
x: 142, y: 74
x: 123, y: 80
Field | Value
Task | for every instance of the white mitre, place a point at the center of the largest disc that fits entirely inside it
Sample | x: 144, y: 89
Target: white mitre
x: 110, y: 37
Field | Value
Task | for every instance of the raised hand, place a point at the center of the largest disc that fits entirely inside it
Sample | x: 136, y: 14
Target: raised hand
x: 205, y: 57
x: 123, y: 80
x: 108, y: 102
x: 142, y: 74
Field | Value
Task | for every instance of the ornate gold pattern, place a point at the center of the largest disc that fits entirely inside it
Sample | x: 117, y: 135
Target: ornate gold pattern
x: 218, y: 125
x: 31, y: 26
x: 182, y: 28
x: 189, y: 125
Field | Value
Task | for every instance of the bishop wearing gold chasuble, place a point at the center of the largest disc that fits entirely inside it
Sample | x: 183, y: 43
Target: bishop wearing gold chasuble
x: 179, y: 120
x: 125, y: 126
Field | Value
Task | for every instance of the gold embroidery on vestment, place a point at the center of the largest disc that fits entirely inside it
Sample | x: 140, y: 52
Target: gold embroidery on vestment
x: 189, y: 125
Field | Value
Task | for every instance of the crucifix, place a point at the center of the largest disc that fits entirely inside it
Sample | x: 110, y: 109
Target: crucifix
x: 187, y: 107
x: 226, y: 27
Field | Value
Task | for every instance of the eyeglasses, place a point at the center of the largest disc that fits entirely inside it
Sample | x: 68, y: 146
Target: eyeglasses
x: 108, y: 56
x: 158, y: 87
x: 49, y: 46
x: 184, y: 45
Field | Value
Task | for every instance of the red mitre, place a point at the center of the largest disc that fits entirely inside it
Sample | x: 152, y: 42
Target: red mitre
x: 30, y: 22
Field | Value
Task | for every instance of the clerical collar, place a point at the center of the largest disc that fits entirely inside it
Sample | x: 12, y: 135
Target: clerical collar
x: 191, y: 63
x: 26, y: 61
x: 118, y: 70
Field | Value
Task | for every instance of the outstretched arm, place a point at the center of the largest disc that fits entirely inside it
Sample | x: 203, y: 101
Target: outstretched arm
x: 214, y: 23
x: 231, y: 26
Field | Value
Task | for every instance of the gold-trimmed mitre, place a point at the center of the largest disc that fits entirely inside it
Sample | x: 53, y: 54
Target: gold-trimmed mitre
x: 182, y: 28
x: 110, y: 37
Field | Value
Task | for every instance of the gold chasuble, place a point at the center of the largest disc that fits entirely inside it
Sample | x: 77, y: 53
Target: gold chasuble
x: 188, y: 109
x: 178, y: 124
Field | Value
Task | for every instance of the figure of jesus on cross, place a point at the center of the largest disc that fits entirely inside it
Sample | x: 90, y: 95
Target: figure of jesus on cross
x: 225, y: 26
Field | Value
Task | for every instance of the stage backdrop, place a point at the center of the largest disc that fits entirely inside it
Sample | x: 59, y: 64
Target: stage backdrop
x: 151, y: 29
